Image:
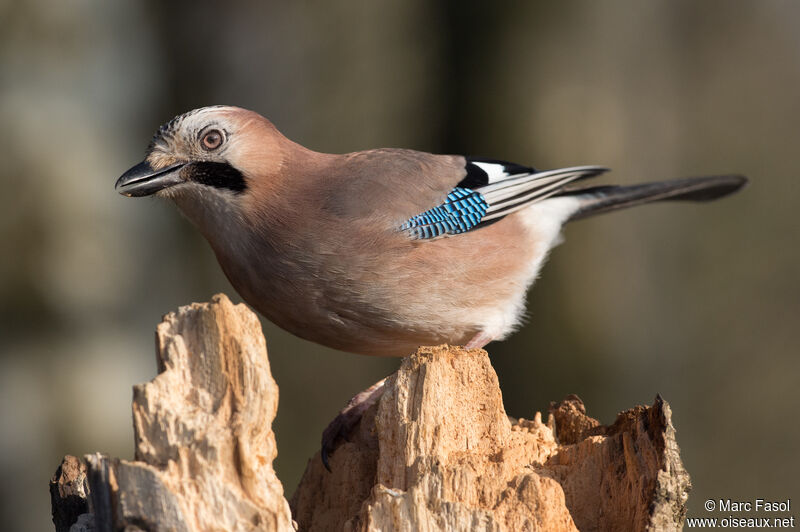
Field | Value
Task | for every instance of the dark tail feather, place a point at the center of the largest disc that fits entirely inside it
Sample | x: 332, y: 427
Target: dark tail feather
x: 610, y: 198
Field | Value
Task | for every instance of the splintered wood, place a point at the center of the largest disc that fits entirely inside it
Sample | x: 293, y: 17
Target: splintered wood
x: 435, y: 453
x: 439, y: 453
x: 203, y: 431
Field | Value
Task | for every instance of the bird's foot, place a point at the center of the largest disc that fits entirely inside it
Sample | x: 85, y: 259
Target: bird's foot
x: 344, y: 422
x: 479, y: 341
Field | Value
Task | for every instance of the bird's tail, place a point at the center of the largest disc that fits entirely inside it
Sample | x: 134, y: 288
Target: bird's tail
x: 597, y: 200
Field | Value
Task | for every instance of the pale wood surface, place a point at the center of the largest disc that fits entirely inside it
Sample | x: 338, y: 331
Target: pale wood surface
x: 439, y: 453
x: 436, y: 452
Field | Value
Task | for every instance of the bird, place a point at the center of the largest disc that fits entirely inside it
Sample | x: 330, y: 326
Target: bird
x: 381, y: 251
x: 376, y: 252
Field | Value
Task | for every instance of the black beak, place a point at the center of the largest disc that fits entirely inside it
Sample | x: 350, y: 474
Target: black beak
x: 142, y: 180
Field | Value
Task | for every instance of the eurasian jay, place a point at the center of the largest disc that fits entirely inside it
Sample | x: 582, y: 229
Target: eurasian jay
x: 380, y: 251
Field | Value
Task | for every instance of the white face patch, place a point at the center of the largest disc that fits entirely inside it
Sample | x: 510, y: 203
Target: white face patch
x: 179, y: 139
x: 217, y: 213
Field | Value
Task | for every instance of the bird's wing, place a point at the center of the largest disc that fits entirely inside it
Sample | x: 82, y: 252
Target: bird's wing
x: 490, y: 190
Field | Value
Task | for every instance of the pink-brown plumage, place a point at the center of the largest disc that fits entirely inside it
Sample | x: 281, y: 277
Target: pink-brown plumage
x: 313, y: 240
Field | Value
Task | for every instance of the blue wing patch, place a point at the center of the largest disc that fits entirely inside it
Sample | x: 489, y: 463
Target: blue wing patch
x: 491, y: 190
x: 462, y: 210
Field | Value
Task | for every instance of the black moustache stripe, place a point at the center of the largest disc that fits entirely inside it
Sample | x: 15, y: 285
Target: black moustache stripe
x: 219, y: 175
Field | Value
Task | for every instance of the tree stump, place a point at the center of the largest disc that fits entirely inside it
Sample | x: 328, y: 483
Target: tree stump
x: 203, y: 433
x: 436, y: 452
x: 439, y: 453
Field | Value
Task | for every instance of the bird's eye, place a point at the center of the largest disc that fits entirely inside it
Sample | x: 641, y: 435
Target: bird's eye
x: 212, y: 139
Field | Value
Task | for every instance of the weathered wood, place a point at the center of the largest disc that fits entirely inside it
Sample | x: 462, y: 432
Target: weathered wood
x: 436, y: 452
x: 68, y: 492
x: 203, y: 431
x: 439, y: 453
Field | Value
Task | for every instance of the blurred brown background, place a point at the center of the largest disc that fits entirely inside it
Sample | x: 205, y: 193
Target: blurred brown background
x: 698, y: 303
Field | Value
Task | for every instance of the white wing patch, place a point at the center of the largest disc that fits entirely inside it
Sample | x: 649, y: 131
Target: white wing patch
x: 494, y: 171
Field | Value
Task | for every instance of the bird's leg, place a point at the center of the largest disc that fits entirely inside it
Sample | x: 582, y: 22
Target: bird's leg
x: 479, y: 341
x: 344, y: 422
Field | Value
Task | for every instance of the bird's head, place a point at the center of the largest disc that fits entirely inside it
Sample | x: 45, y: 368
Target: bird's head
x: 218, y: 151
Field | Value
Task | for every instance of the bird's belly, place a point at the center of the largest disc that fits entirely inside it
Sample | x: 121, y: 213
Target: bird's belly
x: 390, y: 303
x: 357, y: 320
x: 359, y: 328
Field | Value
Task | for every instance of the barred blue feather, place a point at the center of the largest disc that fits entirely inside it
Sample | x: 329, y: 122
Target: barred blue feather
x: 490, y: 190
x: 461, y: 211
